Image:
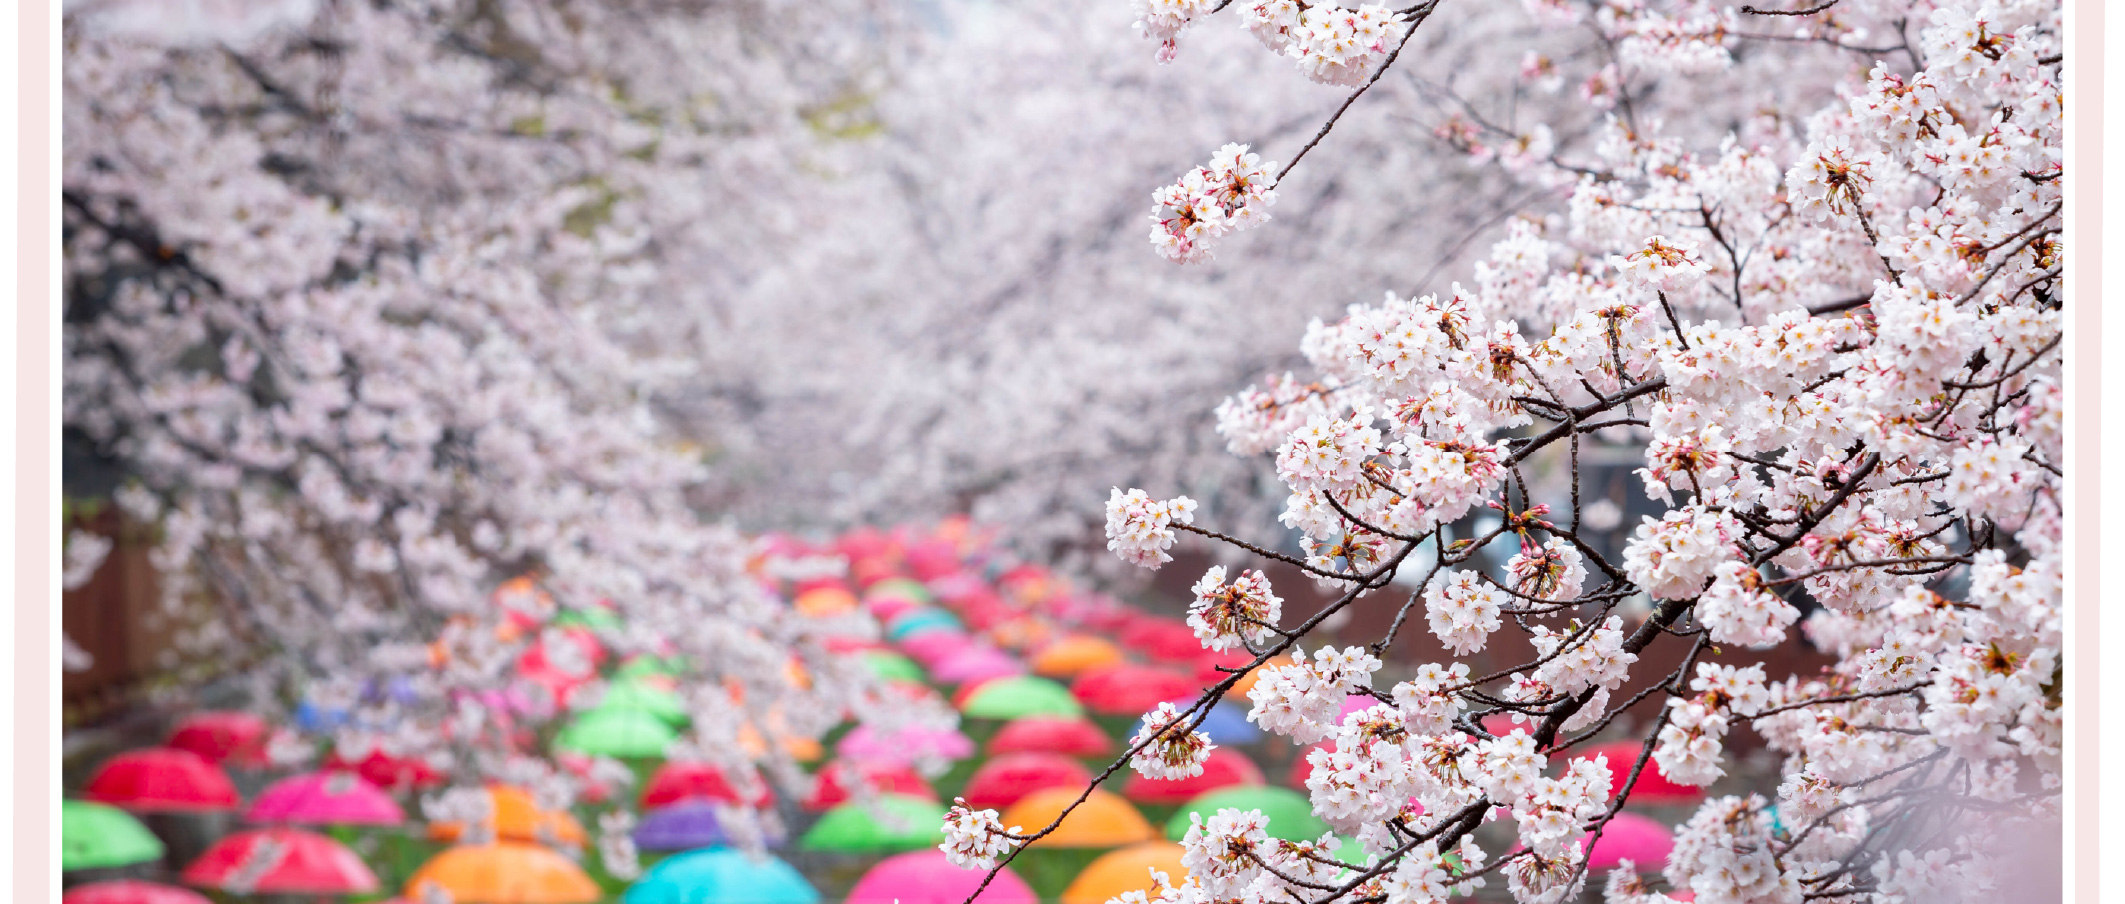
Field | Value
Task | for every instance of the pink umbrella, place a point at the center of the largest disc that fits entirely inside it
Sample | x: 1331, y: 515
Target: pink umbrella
x: 1629, y: 836
x: 886, y: 608
x: 325, y: 798
x: 926, y: 877
x: 976, y: 664
x: 905, y: 745
x: 932, y: 648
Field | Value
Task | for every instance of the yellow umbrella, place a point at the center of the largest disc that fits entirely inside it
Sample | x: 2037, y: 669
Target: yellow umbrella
x: 507, y: 872
x: 517, y: 817
x: 1116, y: 873
x: 1076, y: 653
x: 1103, y: 820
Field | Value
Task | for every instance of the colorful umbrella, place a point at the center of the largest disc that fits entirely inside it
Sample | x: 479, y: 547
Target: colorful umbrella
x: 694, y: 824
x: 1225, y: 768
x: 1018, y: 697
x: 598, y: 618
x: 94, y: 836
x: 917, y: 621
x: 236, y: 739
x: 904, y: 588
x: 617, y: 733
x: 1069, y: 736
x: 1628, y: 836
x: 1076, y: 653
x: 389, y: 772
x: 676, y: 782
x: 720, y: 876
x: 893, y: 666
x: 1132, y: 689
x: 889, y: 822
x: 129, y: 891
x: 1227, y: 724
x: 162, y: 780
x: 1003, y: 780
x: 643, y: 666
x: 933, y: 647
x: 906, y: 745
x: 975, y: 664
x: 330, y: 797
x: 1653, y: 786
x: 1290, y: 814
x: 820, y: 602
x: 1167, y: 641
x: 926, y: 877
x: 1302, y: 768
x: 283, y: 861
x: 1119, y: 872
x: 835, y: 782
x: 507, y: 872
x: 1103, y: 820
x: 517, y: 817
x: 637, y: 694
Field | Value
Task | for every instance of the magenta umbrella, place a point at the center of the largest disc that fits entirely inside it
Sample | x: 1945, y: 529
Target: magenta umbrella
x: 332, y: 797
x: 931, y: 648
x: 975, y: 664
x: 1629, y: 836
x: 905, y: 745
x: 926, y: 877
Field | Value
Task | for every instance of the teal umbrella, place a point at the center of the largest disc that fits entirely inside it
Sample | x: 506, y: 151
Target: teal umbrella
x: 893, y: 666
x: 1019, y: 697
x: 617, y: 732
x: 720, y: 875
x: 1290, y: 813
x: 635, y: 695
x: 916, y: 621
x: 94, y: 836
x: 888, y: 822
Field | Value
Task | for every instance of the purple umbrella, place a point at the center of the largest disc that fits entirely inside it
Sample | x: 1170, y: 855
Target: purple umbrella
x: 976, y: 664
x: 693, y: 824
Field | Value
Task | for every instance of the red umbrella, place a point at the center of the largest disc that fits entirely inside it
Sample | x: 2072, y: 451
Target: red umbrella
x: 1167, y: 641
x: 1225, y: 768
x: 674, y: 782
x: 1054, y: 734
x: 386, y: 771
x: 1301, y: 769
x: 281, y: 861
x: 162, y: 780
x: 1653, y: 787
x: 1001, y: 781
x: 1131, y: 689
x: 832, y: 789
x: 130, y: 891
x: 231, y: 738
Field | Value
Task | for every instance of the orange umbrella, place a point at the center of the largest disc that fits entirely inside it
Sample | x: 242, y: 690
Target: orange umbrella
x: 1116, y: 873
x: 1076, y: 653
x: 518, y: 818
x: 507, y: 872
x: 1246, y: 683
x: 1103, y: 820
x: 820, y: 602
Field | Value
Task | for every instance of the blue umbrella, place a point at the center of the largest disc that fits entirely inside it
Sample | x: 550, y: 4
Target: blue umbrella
x: 1227, y: 724
x: 313, y: 718
x: 688, y: 825
x: 720, y: 876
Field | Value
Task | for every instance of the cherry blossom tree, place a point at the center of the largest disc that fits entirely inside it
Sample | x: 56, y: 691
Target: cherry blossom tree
x: 1807, y: 262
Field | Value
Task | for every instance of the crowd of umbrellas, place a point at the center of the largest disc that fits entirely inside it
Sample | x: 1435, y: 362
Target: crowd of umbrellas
x: 1049, y: 682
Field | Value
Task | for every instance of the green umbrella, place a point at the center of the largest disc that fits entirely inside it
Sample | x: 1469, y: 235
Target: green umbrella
x: 1290, y: 814
x: 596, y: 618
x: 618, y: 733
x: 1021, y: 696
x: 635, y: 695
x: 92, y: 836
x: 905, y: 588
x: 886, y: 823
x: 893, y: 666
x: 651, y: 665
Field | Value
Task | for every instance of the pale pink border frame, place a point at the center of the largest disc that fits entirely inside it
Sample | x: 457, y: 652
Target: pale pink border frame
x: 35, y: 820
x: 36, y: 666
